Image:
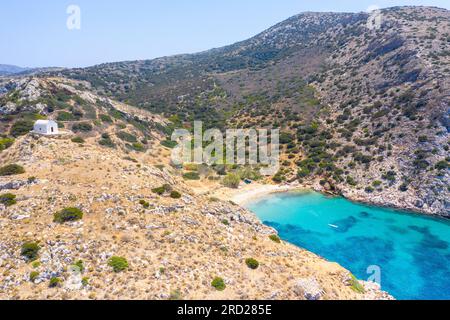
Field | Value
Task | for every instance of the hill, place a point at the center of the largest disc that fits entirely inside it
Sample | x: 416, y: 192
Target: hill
x: 365, y: 111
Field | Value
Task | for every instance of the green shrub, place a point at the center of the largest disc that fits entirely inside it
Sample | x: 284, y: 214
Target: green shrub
x: 175, y: 295
x: 275, y: 238
x: 5, y: 143
x: 8, y: 199
x: 65, y: 116
x: 21, y: 128
x: 106, y: 118
x: 78, y: 140
x: 118, y: 264
x: 218, y: 283
x: 226, y: 222
x: 68, y: 215
x: 232, y: 181
x: 30, y: 250
x: 55, y: 282
x: 403, y: 187
x: 85, y: 281
x: 369, y: 190
x: 82, y: 127
x: 125, y: 136
x: 191, y: 176
x: 356, y: 285
x: 442, y: 165
x: 169, y: 144
x: 175, y: 195
x: 252, y: 263
x: 34, y: 275
x: 11, y: 170
x: 139, y: 147
x: 79, y: 265
x: 163, y: 189
x: 107, y: 142
x: 145, y: 204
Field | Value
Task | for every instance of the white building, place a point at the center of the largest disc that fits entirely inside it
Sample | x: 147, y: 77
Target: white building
x: 46, y: 127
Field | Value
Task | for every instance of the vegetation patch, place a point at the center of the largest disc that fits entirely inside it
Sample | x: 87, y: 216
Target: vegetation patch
x: 232, y: 180
x: 33, y: 276
x: 5, y: 143
x: 118, y: 264
x: 30, y: 250
x: 162, y: 190
x: 252, y: 263
x: 68, y: 215
x: 218, y: 283
x: 191, y: 176
x: 21, y: 128
x: 11, y: 170
x: 169, y: 144
x: 8, y: 199
x: 82, y: 127
x: 275, y: 238
x: 356, y: 285
x: 78, y: 140
x: 55, y: 282
x: 175, y: 195
x: 125, y: 136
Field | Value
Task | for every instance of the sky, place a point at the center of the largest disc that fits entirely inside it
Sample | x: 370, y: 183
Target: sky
x: 37, y: 33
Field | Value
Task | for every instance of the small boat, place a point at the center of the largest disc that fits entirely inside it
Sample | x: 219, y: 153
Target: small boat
x: 333, y: 226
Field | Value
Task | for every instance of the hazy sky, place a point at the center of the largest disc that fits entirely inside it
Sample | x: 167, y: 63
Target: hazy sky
x: 35, y: 33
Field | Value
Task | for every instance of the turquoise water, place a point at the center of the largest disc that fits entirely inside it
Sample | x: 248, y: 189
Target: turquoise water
x: 412, y: 251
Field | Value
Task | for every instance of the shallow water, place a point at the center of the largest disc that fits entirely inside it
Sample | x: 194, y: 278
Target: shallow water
x: 411, y: 251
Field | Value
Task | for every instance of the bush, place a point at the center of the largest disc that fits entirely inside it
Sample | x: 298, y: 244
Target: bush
x: 356, y: 285
x: 191, y: 176
x: 11, y: 169
x: 369, y: 190
x: 145, y: 204
x: 106, y: 118
x: 252, y: 263
x: 68, y: 215
x: 118, y: 264
x: 275, y: 238
x: 5, y: 143
x: 55, y: 282
x: 232, y: 181
x: 78, y: 140
x: 82, y: 127
x: 169, y: 144
x: 21, y: 128
x: 30, y: 250
x: 33, y: 275
x: 442, y: 165
x: 163, y: 189
x: 79, y: 265
x: 107, y: 142
x: 139, y: 147
x: 125, y: 136
x: 8, y: 199
x: 65, y: 116
x: 175, y: 195
x: 218, y: 283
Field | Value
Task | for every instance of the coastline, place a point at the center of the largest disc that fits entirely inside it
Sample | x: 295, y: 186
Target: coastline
x: 249, y: 193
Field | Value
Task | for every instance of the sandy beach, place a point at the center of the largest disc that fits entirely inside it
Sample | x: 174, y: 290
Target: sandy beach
x: 248, y: 193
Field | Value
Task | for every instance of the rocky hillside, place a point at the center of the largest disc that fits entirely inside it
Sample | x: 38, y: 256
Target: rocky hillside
x: 364, y: 112
x: 77, y: 110
x: 80, y: 221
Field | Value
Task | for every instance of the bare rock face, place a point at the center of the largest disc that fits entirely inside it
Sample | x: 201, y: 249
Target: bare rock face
x: 8, y: 108
x: 308, y: 289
